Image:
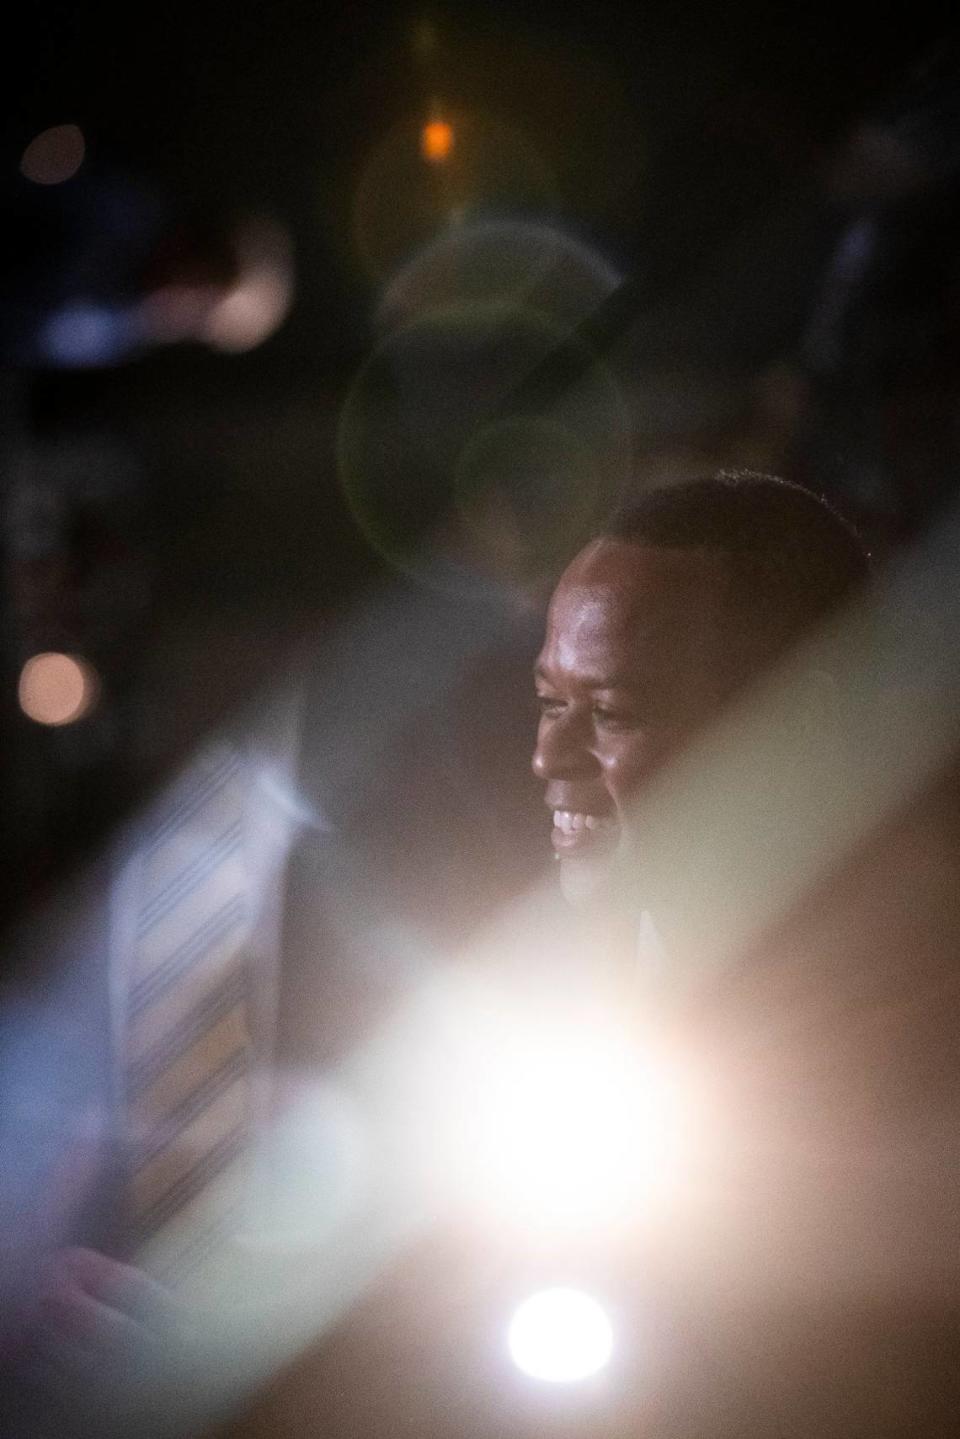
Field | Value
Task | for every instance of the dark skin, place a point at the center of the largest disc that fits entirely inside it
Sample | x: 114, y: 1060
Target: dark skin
x: 638, y: 656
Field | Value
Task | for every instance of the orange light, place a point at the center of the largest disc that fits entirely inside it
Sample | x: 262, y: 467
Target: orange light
x: 436, y: 141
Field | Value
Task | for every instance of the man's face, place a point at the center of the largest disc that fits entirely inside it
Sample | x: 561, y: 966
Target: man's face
x: 634, y: 661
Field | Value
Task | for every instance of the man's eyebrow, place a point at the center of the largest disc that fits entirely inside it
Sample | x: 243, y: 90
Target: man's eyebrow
x: 624, y: 681
x: 611, y: 682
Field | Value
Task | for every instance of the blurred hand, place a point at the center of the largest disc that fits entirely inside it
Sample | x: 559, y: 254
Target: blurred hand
x: 105, y: 1340
x: 91, y: 1303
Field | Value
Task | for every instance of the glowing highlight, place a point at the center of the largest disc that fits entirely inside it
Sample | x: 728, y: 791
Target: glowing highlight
x: 560, y: 1336
x: 436, y: 141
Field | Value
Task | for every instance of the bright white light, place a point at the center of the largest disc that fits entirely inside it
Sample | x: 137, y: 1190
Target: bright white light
x: 560, y: 1335
x: 573, y: 1132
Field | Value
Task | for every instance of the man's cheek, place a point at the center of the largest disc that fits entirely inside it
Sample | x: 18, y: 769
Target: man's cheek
x: 633, y: 768
x: 625, y: 786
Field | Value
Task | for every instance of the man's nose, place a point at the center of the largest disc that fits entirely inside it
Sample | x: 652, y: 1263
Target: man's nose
x: 563, y: 750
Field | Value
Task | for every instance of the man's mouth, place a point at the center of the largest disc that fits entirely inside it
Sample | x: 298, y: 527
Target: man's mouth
x: 577, y: 832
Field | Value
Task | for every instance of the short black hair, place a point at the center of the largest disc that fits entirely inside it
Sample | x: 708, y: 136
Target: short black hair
x: 793, y: 558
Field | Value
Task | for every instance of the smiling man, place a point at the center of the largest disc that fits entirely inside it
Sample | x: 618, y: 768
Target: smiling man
x: 652, y: 629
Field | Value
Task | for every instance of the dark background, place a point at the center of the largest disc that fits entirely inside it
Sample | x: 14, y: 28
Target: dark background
x: 719, y: 159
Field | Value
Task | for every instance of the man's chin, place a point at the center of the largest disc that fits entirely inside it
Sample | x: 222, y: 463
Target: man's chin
x: 597, y: 882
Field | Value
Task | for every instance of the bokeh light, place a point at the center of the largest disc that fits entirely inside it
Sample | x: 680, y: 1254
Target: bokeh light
x: 561, y: 1336
x: 54, y: 155
x: 436, y: 141
x: 477, y: 165
x: 85, y: 335
x: 57, y: 689
x: 257, y: 303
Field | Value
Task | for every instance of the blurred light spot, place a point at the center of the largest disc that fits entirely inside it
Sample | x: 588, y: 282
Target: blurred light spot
x: 476, y: 165
x: 573, y: 1132
x: 258, y: 301
x: 560, y: 1335
x: 87, y: 334
x: 436, y: 141
x: 56, y: 689
x: 54, y: 155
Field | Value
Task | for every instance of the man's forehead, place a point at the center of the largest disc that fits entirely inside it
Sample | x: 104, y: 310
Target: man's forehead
x: 614, y: 585
x: 652, y: 571
x: 619, y: 603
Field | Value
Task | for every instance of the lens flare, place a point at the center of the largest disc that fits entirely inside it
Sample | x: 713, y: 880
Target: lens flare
x: 512, y: 262
x: 444, y: 484
x: 573, y: 1133
x: 560, y: 1336
x: 524, y: 489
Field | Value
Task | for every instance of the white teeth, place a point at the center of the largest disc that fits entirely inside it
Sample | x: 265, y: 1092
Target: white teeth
x: 572, y: 821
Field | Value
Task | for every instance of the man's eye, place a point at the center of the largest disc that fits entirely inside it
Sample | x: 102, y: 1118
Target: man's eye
x: 547, y: 705
x: 614, y: 719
